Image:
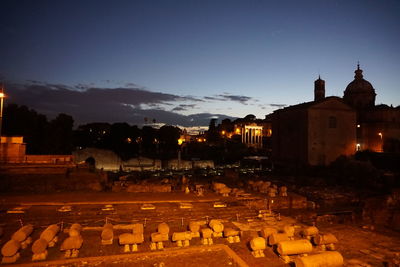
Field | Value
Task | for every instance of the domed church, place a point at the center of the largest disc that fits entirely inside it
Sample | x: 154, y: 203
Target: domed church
x: 319, y: 131
x: 378, y: 126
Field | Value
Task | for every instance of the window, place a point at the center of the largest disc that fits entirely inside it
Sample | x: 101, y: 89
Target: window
x: 332, y: 122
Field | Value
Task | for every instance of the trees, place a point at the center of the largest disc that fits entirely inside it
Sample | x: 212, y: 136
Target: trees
x: 60, y: 135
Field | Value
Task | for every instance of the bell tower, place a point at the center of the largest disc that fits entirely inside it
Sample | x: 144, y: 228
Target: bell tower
x: 319, y: 89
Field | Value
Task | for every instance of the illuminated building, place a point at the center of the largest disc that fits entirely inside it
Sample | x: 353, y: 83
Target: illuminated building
x: 378, y: 126
x: 317, y: 132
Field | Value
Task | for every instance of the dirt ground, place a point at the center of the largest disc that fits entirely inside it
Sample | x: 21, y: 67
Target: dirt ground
x: 376, y: 247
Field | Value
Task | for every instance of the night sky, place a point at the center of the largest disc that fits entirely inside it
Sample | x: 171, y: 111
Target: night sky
x: 182, y: 62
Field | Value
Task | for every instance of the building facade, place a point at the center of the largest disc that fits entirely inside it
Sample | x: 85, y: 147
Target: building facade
x: 314, y: 133
x: 317, y: 132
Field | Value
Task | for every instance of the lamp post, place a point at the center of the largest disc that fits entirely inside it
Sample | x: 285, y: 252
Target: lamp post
x: 2, y: 95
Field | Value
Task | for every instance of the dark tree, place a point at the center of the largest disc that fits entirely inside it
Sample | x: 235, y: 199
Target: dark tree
x: 22, y: 121
x: 168, y: 138
x: 59, y: 135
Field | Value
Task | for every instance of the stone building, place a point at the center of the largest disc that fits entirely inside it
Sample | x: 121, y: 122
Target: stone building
x: 317, y: 132
x: 378, y: 126
x: 314, y: 133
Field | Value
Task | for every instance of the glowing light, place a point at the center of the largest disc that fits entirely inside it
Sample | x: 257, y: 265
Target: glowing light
x: 358, y: 125
x: 223, y: 132
x: 380, y: 134
x: 2, y: 95
x: 180, y: 141
x: 237, y: 131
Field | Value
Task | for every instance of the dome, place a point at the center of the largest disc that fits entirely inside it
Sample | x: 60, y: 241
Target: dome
x: 359, y: 85
x: 359, y: 93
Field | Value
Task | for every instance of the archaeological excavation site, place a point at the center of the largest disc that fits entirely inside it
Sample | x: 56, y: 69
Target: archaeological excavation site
x: 229, y: 217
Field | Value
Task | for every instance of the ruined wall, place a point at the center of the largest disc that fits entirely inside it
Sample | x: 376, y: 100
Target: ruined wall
x: 104, y: 159
x: 141, y: 164
x: 174, y: 164
x: 48, y: 159
x: 203, y: 164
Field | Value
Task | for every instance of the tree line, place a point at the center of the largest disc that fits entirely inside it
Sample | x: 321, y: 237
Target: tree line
x: 58, y: 136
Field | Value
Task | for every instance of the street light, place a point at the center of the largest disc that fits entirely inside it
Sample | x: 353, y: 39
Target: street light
x: 2, y: 96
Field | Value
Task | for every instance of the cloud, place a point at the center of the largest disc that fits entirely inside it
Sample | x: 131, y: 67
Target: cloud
x: 91, y: 104
x: 236, y: 98
x: 131, y: 85
x: 183, y: 107
x: 213, y: 98
x: 277, y: 105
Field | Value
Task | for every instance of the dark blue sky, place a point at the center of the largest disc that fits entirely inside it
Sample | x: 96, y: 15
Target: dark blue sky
x: 218, y: 57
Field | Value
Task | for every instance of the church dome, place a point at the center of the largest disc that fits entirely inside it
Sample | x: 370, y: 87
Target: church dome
x: 359, y: 93
x: 359, y: 84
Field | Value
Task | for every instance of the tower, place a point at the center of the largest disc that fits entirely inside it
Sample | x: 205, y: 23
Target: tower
x: 319, y: 89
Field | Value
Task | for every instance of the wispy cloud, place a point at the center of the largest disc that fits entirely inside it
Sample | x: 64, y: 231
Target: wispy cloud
x: 228, y: 97
x: 183, y: 107
x: 277, y: 105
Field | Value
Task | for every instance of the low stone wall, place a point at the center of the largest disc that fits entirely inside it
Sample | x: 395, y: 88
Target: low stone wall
x: 48, y: 159
x: 136, y: 188
x: 50, y: 180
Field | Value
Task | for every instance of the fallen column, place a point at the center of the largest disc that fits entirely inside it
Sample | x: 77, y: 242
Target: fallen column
x: 206, y: 234
x: 293, y: 247
x: 50, y: 235
x: 267, y: 231
x: 274, y: 239
x: 194, y: 228
x: 10, y: 251
x: 159, y: 237
x: 309, y: 232
x: 128, y: 239
x: 257, y: 244
x: 325, y: 241
x: 324, y: 259
x: 289, y: 231
x: 232, y: 235
x: 217, y: 227
x: 182, y: 239
x: 107, y: 235
x: 73, y: 243
x: 23, y: 235
x: 47, y: 238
